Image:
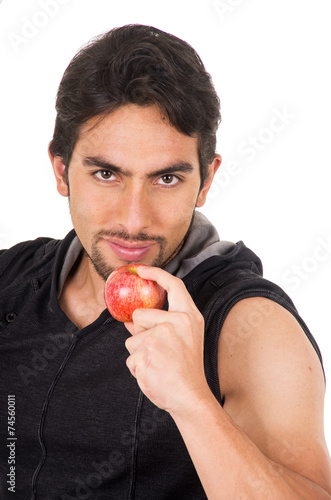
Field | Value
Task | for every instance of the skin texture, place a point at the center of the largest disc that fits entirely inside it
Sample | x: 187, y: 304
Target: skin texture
x: 271, y: 426
x: 155, y: 170
x: 268, y: 440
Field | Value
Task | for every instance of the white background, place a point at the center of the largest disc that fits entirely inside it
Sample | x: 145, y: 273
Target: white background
x: 266, y: 58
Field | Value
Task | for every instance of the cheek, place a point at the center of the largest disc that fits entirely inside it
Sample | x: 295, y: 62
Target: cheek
x: 175, y: 217
x: 88, y: 208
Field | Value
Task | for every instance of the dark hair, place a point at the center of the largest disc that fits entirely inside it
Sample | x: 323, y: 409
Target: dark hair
x: 140, y: 65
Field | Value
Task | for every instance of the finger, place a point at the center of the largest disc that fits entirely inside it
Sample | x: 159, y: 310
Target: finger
x: 130, y: 327
x: 130, y: 363
x: 137, y: 360
x: 145, y: 319
x: 178, y: 297
x: 134, y: 342
x: 134, y: 327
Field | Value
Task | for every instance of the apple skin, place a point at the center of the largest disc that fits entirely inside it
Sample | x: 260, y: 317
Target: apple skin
x: 125, y: 292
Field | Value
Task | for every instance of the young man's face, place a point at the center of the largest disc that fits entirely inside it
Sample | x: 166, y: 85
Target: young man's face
x: 134, y: 182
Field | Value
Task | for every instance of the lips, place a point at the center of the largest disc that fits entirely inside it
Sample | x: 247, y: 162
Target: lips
x: 130, y: 252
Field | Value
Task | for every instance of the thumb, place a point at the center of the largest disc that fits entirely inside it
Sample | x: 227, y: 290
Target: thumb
x: 130, y: 328
x: 134, y: 328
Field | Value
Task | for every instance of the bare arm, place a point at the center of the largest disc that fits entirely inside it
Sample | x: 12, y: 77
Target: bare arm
x: 267, y: 441
x: 270, y: 440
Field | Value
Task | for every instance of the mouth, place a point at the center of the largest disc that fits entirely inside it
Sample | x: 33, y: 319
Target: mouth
x: 132, y: 252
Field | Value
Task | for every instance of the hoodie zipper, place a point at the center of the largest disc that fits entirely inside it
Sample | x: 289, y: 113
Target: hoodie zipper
x: 44, y: 413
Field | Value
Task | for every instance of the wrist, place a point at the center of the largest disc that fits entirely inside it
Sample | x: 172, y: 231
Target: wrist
x: 199, y: 407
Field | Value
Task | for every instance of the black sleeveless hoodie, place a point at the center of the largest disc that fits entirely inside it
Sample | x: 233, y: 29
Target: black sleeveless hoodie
x: 84, y: 430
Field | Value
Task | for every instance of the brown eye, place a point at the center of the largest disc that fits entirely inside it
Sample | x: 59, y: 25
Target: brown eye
x: 105, y: 174
x: 168, y: 179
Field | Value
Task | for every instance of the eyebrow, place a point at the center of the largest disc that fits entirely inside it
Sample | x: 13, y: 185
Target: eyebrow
x: 98, y: 161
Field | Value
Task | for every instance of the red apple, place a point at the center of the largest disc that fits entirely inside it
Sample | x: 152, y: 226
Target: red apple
x: 125, y: 292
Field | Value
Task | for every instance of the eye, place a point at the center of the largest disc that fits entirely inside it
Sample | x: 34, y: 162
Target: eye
x: 168, y: 179
x: 104, y: 175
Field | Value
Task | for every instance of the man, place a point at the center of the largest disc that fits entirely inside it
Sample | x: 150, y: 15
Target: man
x: 220, y: 394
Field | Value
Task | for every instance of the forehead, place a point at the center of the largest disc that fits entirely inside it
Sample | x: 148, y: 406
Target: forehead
x: 136, y: 133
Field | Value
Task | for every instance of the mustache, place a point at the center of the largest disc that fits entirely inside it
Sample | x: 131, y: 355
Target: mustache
x: 132, y: 238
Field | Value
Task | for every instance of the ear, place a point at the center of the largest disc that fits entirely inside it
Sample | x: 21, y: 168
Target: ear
x: 60, y: 174
x: 212, y: 169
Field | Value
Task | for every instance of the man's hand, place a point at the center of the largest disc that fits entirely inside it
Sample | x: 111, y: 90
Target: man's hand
x: 273, y: 388
x: 166, y: 347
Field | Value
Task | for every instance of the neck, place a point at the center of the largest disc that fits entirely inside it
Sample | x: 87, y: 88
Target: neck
x: 82, y: 297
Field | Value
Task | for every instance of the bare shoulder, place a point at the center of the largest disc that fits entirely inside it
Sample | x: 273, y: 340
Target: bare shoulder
x: 273, y: 386
x: 259, y: 334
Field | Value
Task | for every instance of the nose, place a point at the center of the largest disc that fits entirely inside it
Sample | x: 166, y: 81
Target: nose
x: 134, y: 213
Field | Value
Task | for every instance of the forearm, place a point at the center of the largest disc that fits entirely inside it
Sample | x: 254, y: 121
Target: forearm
x: 230, y: 465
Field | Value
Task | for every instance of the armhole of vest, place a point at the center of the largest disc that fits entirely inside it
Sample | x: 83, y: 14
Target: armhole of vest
x: 46, y: 247
x: 36, y: 249
x: 11, y: 254
x: 214, y: 324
